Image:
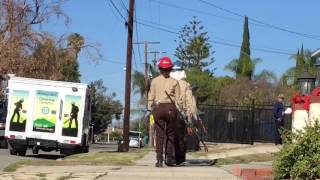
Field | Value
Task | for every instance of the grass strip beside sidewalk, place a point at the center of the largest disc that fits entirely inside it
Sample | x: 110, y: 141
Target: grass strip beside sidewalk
x: 97, y: 158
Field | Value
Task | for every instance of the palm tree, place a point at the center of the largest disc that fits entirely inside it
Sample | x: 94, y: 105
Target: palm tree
x: 265, y: 76
x: 75, y: 44
x: 244, y: 67
x: 138, y: 82
x: 303, y: 62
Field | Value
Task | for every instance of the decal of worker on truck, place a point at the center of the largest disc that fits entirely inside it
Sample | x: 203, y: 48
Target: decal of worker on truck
x: 45, y: 113
x: 70, y: 115
x: 18, y: 113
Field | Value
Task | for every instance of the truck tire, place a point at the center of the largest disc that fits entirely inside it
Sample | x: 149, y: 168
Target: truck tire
x: 13, y: 151
x: 66, y: 152
x: 4, y: 144
x: 84, y: 149
x: 35, y: 150
x: 22, y: 152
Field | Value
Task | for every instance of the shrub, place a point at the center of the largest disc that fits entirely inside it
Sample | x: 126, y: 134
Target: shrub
x: 300, y: 156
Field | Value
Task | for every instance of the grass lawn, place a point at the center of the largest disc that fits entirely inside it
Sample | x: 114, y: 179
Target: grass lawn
x: 245, y: 159
x: 96, y: 158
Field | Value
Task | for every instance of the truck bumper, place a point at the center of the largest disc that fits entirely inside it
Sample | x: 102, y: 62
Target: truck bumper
x: 45, y: 145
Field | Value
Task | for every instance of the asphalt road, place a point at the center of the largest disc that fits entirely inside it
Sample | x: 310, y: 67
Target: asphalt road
x: 6, y: 158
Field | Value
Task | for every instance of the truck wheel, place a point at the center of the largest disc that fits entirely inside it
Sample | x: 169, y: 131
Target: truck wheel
x: 85, y: 149
x: 4, y: 144
x: 22, y: 152
x: 67, y: 152
x: 13, y: 152
x: 35, y: 150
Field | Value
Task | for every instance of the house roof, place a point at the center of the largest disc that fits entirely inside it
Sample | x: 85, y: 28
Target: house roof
x: 316, y: 53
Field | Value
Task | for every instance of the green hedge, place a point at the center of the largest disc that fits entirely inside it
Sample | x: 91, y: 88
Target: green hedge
x: 300, y: 156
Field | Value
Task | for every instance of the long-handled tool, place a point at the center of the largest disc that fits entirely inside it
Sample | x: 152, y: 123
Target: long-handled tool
x: 190, y: 129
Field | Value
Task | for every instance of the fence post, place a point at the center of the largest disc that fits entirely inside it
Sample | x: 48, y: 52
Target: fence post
x: 252, y: 121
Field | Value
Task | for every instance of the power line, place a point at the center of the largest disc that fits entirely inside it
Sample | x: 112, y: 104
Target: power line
x: 157, y: 28
x: 115, y: 62
x: 137, y: 36
x: 118, y: 11
x: 134, y: 59
x: 216, y: 42
x: 214, y: 37
x: 124, y: 6
x: 310, y: 36
x: 202, y: 12
x: 254, y: 21
x: 193, y: 10
x: 112, y: 10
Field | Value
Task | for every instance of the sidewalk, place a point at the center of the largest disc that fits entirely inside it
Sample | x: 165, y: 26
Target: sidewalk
x: 194, y: 169
x: 143, y: 170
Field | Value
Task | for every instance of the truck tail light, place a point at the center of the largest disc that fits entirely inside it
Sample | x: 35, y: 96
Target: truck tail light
x: 12, y: 136
x: 72, y: 142
x: 2, y: 125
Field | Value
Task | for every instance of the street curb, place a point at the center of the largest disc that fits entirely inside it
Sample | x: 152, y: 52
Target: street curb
x: 254, y: 173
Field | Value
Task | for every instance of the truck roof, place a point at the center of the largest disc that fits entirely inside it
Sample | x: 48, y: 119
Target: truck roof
x: 24, y: 80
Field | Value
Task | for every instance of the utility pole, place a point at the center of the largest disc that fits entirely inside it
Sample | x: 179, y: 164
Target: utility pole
x: 126, y: 119
x: 146, y: 43
x: 155, y: 53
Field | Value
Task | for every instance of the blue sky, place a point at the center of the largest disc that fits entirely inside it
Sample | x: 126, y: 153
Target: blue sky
x: 99, y: 23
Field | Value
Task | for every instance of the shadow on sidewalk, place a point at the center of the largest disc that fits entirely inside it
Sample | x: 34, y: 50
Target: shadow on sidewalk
x: 197, y: 162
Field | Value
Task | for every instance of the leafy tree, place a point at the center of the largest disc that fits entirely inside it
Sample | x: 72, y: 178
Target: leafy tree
x: 203, y: 82
x: 44, y: 63
x: 140, y: 125
x: 51, y: 60
x: 103, y: 107
x: 219, y: 84
x: 265, y: 76
x: 194, y: 49
x: 18, y: 38
x: 70, y: 67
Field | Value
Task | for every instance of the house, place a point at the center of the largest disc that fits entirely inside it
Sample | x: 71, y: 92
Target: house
x: 316, y: 54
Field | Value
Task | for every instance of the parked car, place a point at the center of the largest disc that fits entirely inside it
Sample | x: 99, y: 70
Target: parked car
x: 135, y: 139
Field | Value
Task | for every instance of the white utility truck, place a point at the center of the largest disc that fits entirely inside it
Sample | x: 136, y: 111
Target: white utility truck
x: 47, y: 115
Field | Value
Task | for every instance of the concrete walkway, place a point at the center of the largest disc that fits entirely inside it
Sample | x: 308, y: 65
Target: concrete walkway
x: 143, y: 170
x: 193, y: 169
x: 232, y: 150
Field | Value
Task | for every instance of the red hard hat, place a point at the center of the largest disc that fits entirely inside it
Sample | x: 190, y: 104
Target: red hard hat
x: 165, y: 63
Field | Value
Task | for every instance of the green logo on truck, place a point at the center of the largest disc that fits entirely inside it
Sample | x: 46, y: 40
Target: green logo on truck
x: 45, y: 111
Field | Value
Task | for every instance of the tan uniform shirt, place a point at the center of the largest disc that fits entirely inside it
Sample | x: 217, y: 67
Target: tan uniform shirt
x: 189, y: 105
x: 158, y: 87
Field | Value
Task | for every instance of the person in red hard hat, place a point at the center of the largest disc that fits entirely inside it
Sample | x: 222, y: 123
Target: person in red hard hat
x: 164, y: 95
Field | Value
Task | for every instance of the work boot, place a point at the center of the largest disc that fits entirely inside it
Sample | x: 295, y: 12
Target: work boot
x: 170, y: 162
x: 159, y: 163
